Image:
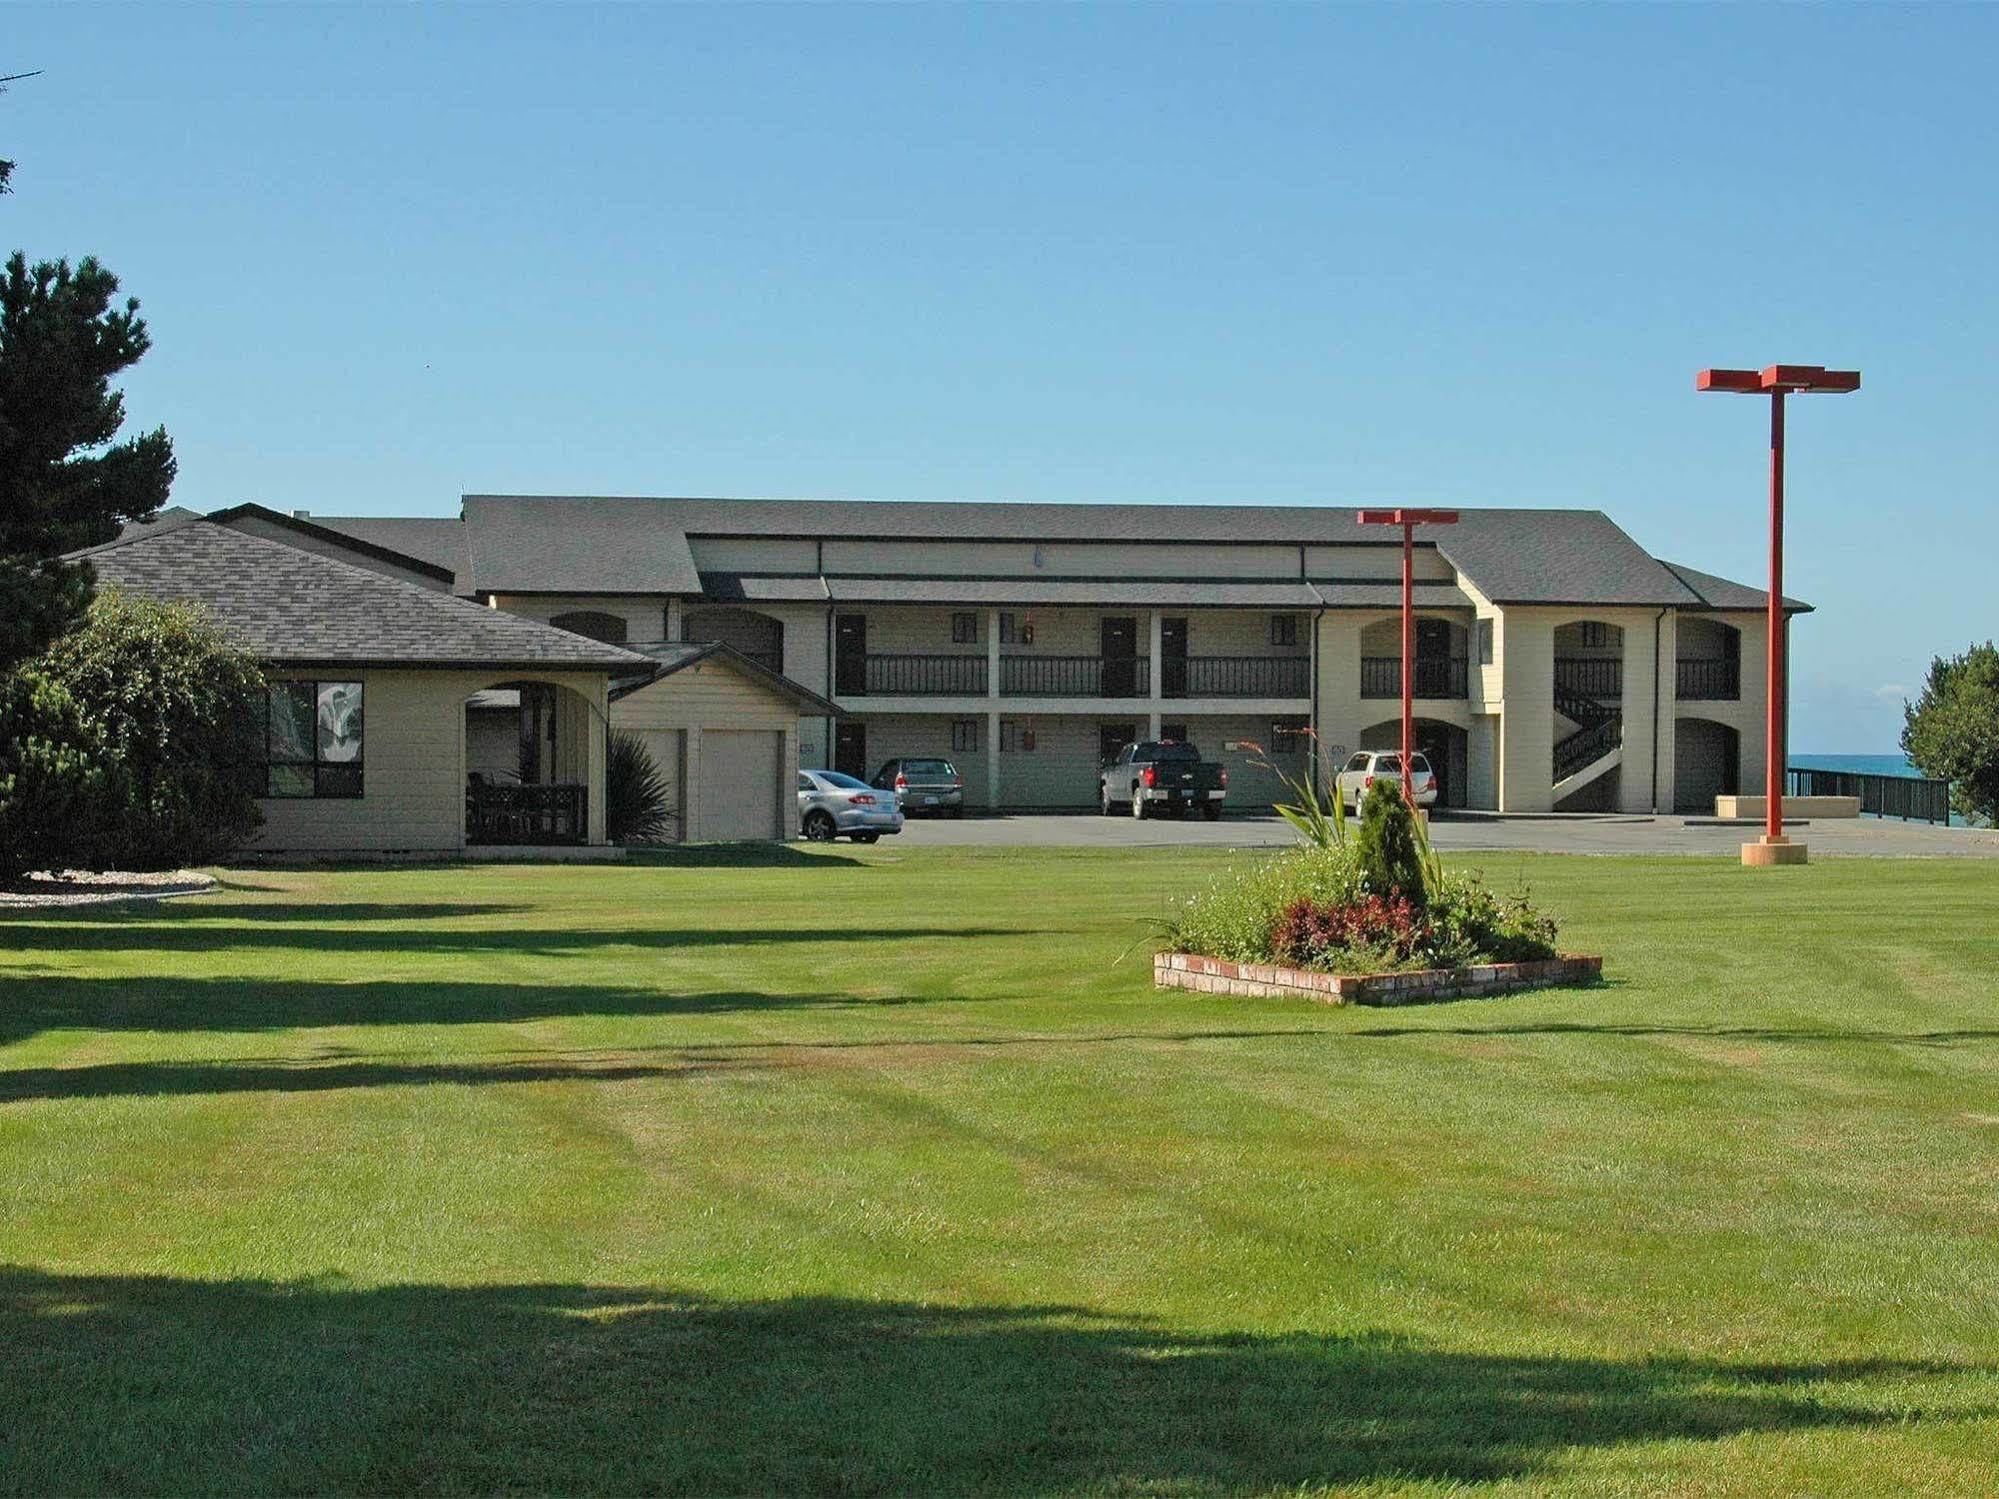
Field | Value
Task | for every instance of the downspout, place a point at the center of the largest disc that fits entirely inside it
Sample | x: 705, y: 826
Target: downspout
x: 819, y: 568
x: 1657, y: 620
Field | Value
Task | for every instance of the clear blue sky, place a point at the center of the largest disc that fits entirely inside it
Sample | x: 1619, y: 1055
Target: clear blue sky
x: 1296, y: 255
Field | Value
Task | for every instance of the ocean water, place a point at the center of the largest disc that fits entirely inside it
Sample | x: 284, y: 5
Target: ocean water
x: 1873, y: 765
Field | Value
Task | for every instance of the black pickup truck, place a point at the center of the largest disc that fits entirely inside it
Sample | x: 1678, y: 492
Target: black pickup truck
x: 1162, y: 775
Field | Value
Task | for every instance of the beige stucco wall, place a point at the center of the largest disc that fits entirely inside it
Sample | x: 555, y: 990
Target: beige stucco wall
x: 644, y: 616
x: 414, y: 762
x: 711, y: 694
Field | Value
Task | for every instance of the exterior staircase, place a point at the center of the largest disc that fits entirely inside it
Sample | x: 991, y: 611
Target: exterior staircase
x: 1595, y: 748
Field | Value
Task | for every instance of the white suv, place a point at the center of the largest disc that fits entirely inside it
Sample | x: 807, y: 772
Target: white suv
x: 1369, y: 766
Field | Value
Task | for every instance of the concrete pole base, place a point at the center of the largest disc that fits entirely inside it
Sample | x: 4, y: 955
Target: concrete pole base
x: 1767, y: 853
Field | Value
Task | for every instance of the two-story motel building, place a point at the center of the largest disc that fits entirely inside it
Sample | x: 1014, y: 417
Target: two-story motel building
x: 1558, y: 665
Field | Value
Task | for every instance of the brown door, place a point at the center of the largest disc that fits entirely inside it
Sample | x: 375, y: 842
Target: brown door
x: 1112, y: 737
x: 1119, y: 649
x: 850, y: 655
x: 850, y: 749
x: 1173, y: 657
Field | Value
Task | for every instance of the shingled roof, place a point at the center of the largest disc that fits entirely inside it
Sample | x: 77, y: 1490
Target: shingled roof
x: 1720, y: 593
x: 291, y: 606
x: 581, y: 544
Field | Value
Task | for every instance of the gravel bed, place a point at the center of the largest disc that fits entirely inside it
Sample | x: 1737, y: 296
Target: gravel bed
x: 81, y: 887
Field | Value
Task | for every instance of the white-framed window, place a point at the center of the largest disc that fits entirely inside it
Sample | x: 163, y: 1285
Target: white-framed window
x: 1016, y: 738
x: 964, y: 736
x: 1015, y: 630
x: 1174, y: 732
x: 1485, y: 642
x: 1287, y: 736
x: 1283, y: 629
x: 964, y: 627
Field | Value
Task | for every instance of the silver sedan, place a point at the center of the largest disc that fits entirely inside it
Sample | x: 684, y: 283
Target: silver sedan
x: 833, y: 805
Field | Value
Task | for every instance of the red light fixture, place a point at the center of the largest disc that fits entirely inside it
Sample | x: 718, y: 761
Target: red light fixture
x: 1776, y: 381
x: 1408, y: 520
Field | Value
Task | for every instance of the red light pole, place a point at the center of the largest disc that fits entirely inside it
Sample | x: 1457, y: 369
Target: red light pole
x: 1776, y: 382
x: 1408, y: 520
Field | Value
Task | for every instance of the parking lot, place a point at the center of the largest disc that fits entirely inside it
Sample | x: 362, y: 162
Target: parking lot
x: 1580, y: 833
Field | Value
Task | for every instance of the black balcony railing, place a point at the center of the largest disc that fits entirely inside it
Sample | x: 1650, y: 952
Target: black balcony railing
x: 1235, y: 676
x: 509, y: 812
x: 956, y: 675
x: 1908, y: 797
x: 1434, y: 676
x: 1590, y: 676
x: 1075, y: 676
x: 1709, y: 679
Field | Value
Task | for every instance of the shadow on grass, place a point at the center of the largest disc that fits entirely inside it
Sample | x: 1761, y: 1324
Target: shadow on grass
x: 737, y: 856
x: 179, y: 1079
x: 328, y: 1071
x: 196, y: 930
x: 1771, y: 1033
x: 126, y: 1384
x: 33, y: 1003
x: 206, y: 909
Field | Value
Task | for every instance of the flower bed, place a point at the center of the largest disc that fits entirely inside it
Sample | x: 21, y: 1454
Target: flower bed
x: 1204, y: 975
x: 1371, y: 918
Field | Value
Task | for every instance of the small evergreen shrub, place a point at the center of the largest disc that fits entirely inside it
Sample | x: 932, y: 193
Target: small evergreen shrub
x: 1386, y: 843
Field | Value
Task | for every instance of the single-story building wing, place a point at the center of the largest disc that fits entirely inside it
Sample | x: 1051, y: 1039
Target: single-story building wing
x: 369, y: 676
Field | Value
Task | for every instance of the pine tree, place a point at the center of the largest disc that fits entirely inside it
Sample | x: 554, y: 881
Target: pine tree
x: 64, y: 482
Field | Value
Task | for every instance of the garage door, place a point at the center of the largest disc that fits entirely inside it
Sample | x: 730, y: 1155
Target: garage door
x: 739, y: 777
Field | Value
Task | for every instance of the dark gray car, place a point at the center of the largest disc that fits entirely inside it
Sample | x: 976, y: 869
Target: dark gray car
x: 923, y: 785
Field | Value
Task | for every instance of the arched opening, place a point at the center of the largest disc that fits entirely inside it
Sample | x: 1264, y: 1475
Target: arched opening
x: 594, y: 624
x: 1444, y: 745
x: 527, y: 764
x: 1440, y: 668
x: 757, y: 636
x: 1710, y: 661
x: 1707, y: 762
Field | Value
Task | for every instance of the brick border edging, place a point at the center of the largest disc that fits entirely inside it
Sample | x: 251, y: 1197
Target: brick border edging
x: 1205, y: 975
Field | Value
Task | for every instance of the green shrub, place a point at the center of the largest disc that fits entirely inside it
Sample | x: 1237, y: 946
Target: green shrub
x: 636, y: 806
x: 58, y: 787
x: 1386, y: 846
x: 177, y: 716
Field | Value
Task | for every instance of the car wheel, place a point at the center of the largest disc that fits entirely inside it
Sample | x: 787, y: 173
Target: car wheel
x: 819, y: 827
x: 1212, y: 811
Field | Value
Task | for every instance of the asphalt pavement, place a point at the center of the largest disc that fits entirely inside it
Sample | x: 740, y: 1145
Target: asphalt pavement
x: 1577, y: 833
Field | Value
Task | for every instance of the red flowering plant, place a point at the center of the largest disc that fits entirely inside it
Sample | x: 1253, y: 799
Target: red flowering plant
x: 1373, y: 932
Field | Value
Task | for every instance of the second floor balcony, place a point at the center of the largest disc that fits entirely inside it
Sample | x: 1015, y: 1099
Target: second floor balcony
x: 1432, y: 677
x: 1037, y: 675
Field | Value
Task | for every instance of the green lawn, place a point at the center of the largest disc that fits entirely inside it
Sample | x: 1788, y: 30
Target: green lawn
x: 878, y: 1171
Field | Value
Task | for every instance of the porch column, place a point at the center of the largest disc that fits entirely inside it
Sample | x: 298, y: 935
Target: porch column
x: 992, y: 709
x: 597, y: 739
x: 1152, y: 652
